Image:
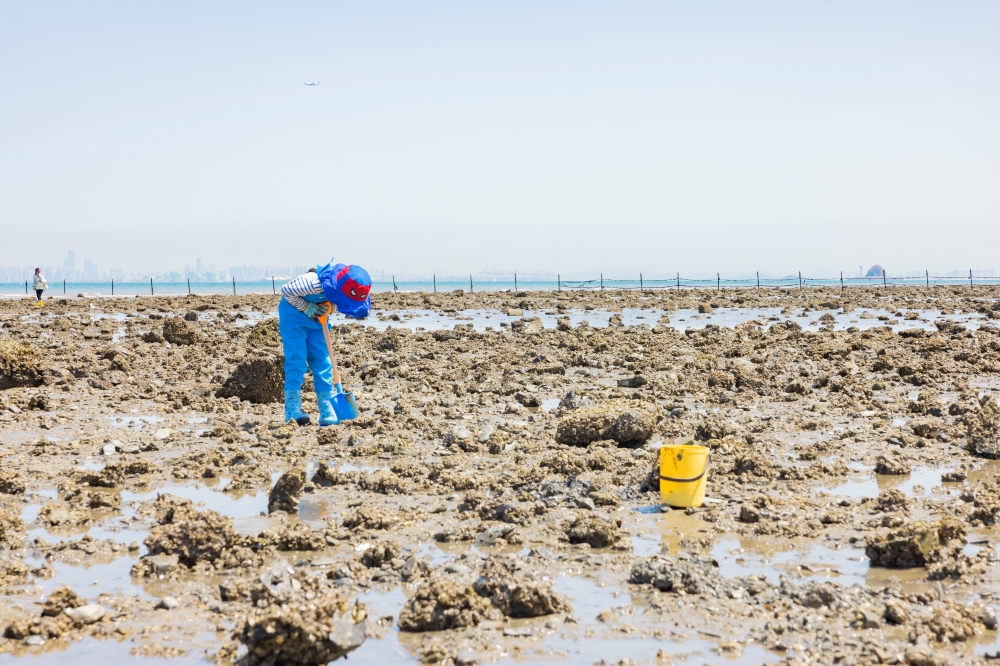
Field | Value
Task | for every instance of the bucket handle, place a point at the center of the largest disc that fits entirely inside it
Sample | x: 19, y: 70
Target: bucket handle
x: 708, y: 459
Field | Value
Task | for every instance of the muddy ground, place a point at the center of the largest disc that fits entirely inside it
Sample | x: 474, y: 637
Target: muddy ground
x: 498, y: 500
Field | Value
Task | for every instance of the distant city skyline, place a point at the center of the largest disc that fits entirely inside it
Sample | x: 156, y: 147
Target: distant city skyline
x: 200, y: 271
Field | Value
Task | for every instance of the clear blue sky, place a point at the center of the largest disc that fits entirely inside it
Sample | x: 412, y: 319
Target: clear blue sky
x: 535, y: 135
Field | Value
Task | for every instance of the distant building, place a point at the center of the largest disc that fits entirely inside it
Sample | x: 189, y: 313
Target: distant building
x: 874, y: 271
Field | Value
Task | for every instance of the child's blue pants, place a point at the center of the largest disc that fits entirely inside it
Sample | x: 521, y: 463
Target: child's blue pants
x: 305, y: 348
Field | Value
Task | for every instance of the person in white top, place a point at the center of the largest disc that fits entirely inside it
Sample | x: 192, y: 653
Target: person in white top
x: 39, y: 284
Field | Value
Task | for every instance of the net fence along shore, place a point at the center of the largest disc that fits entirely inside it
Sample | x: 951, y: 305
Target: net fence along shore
x: 677, y: 283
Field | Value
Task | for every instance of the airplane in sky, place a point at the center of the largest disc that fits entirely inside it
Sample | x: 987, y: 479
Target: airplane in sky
x: 314, y: 83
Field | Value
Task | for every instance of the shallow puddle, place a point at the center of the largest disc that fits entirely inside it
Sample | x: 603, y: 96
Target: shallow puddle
x: 926, y: 478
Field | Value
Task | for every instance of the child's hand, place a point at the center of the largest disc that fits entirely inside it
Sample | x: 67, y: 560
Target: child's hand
x: 314, y: 310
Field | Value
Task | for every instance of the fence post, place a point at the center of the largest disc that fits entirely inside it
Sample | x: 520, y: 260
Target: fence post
x: 800, y: 282
x: 515, y: 281
x: 640, y: 282
x: 758, y: 283
x: 558, y: 282
x: 841, y: 283
x: 274, y: 290
x: 112, y: 287
x: 470, y: 284
x: 234, y: 285
x: 394, y: 290
x: 25, y: 287
x: 884, y: 285
x: 602, y: 281
x: 64, y: 287
x: 151, y: 287
x: 970, y: 277
x: 678, y: 283
x: 435, y: 283
x: 718, y: 283
x: 189, y: 286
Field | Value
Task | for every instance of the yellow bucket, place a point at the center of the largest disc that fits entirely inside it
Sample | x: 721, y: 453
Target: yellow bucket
x: 683, y: 474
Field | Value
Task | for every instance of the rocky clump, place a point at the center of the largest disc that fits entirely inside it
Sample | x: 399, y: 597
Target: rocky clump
x: 689, y: 573
x: 60, y: 600
x: 596, y: 530
x: 196, y: 538
x: 11, y: 527
x: 891, y: 463
x: 622, y: 421
x: 287, y: 491
x: 514, y: 594
x: 912, y: 545
x: 11, y: 483
x: 299, y: 619
x: 19, y: 365
x: 440, y: 604
x: 258, y: 379
x: 982, y: 427
x: 265, y: 334
x: 177, y: 331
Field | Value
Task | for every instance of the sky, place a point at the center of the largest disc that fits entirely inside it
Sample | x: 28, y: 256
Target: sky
x: 450, y: 136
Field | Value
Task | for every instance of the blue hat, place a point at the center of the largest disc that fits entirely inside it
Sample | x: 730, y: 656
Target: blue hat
x: 347, y: 288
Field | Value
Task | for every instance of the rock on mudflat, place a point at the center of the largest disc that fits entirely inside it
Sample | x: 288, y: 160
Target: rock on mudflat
x: 287, y: 491
x: 440, y: 604
x: 177, y: 331
x: 912, y: 545
x: 88, y: 614
x: 892, y: 463
x: 258, y: 379
x: 621, y: 421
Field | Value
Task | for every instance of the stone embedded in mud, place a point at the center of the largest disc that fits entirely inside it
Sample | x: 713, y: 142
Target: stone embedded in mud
x: 595, y: 530
x: 891, y: 463
x: 982, y: 427
x: 527, y: 325
x: 61, y: 600
x: 11, y: 483
x: 892, y: 500
x: 287, y: 491
x: 193, y: 536
x: 369, y: 518
x: 61, y: 514
x: 912, y: 545
x: 19, y: 365
x: 177, y: 331
x: 297, y: 537
x: 516, y: 596
x: 380, y: 553
x: 11, y: 527
x: 258, y: 379
x: 86, y: 614
x: 622, y: 421
x: 265, y: 334
x: 440, y: 604
x: 688, y: 573
x: 299, y: 619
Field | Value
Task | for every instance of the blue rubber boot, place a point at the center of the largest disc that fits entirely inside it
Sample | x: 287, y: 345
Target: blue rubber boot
x: 327, y: 417
x: 293, y: 408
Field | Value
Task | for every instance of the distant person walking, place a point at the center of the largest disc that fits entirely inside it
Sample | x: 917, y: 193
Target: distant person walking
x: 39, y: 284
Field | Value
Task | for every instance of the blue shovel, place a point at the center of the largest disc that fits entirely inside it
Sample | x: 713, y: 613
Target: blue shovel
x: 343, y: 402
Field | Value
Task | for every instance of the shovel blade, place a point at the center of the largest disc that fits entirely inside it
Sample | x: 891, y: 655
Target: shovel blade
x: 344, y: 406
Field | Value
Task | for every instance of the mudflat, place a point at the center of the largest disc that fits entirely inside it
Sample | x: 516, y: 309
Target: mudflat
x: 498, y: 498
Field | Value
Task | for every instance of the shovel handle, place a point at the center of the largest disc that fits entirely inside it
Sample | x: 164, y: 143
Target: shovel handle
x: 329, y: 347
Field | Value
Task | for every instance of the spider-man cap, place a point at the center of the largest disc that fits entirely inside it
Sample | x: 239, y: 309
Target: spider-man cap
x: 347, y: 288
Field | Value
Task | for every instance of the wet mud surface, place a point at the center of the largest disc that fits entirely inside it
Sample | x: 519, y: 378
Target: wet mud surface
x: 498, y: 501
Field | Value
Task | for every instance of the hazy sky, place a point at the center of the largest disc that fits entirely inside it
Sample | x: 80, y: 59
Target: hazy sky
x: 569, y: 136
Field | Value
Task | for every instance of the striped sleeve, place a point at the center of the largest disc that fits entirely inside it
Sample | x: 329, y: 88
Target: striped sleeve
x: 303, y: 285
